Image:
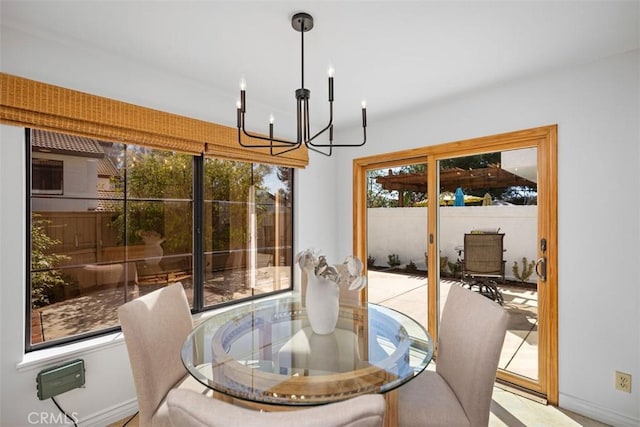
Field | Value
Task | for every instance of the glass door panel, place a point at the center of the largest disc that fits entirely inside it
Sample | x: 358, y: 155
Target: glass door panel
x: 396, y: 212
x: 488, y: 233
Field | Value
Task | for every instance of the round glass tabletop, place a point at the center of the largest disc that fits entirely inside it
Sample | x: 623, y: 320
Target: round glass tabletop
x: 266, y: 352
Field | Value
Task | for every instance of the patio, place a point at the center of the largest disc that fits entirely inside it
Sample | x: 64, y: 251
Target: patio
x: 407, y: 292
x: 97, y: 308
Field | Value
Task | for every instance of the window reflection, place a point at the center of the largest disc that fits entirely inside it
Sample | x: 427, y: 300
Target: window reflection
x: 247, y: 223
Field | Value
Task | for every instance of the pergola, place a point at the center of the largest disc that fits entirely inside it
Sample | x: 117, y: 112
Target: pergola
x: 487, y: 178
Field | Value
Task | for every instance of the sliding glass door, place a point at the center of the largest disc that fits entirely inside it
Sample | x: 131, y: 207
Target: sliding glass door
x: 418, y: 214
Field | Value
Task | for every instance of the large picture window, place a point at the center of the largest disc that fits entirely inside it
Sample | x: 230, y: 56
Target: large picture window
x: 123, y: 224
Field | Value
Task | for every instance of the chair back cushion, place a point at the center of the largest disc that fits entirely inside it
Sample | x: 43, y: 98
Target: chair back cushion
x: 155, y: 327
x: 191, y: 409
x: 470, y: 339
x: 483, y: 254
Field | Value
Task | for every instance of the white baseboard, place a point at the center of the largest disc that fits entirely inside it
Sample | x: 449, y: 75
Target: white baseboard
x: 598, y: 413
x: 110, y: 415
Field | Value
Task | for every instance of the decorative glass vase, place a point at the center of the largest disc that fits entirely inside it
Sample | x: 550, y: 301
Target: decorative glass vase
x: 323, y: 304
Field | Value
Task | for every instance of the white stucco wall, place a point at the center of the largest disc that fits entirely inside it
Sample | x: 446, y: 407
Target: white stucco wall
x: 595, y: 106
x: 403, y: 231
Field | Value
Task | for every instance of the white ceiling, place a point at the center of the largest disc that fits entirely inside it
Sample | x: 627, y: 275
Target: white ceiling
x: 394, y: 54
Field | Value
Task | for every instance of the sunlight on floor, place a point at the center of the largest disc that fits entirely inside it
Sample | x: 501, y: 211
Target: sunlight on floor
x: 507, y: 409
x: 511, y: 410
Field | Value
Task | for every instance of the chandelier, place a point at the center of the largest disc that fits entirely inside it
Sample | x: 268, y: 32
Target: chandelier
x: 301, y: 22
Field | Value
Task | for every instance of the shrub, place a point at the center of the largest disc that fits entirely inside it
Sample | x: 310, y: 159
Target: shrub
x: 527, y: 270
x: 411, y: 266
x: 371, y: 261
x: 394, y: 260
x: 44, y: 278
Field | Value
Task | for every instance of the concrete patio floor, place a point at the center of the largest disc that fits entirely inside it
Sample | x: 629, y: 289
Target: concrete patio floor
x: 407, y: 293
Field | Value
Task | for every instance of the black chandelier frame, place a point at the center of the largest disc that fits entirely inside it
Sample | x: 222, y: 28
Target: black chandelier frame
x: 301, y: 22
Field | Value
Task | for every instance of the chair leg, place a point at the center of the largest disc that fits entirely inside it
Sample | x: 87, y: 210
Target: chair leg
x: 493, y: 292
x: 487, y: 288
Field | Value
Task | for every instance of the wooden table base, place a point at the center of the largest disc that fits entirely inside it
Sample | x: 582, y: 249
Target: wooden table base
x: 390, y: 413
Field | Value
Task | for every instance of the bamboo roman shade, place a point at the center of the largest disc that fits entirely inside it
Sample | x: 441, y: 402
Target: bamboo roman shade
x: 32, y: 104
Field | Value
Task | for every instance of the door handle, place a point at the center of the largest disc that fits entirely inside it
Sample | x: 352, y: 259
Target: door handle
x: 541, y: 268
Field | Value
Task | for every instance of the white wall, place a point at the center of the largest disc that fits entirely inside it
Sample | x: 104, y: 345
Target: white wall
x: 595, y: 106
x: 403, y: 231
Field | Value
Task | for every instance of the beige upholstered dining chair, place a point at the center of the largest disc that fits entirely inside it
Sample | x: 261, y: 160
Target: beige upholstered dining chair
x: 458, y: 393
x: 155, y: 327
x: 191, y: 409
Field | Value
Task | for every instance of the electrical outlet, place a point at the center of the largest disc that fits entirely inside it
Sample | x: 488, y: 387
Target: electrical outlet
x: 623, y: 381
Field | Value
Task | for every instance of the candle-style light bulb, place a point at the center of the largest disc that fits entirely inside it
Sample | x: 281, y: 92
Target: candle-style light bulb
x: 243, y: 87
x: 238, y: 104
x: 330, y: 71
x: 364, y: 113
x: 271, y: 126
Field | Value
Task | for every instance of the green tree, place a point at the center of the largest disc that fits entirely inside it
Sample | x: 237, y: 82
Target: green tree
x: 378, y: 197
x: 44, y: 277
x: 159, y: 190
x: 472, y: 162
x: 226, y: 187
x: 159, y: 186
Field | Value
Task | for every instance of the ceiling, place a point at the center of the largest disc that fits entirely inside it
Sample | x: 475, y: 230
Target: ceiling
x: 397, y: 55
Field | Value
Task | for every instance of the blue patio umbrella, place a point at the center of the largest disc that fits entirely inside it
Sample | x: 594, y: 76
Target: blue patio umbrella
x: 459, y: 197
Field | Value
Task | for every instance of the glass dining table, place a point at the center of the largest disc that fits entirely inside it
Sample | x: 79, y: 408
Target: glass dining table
x: 264, y: 355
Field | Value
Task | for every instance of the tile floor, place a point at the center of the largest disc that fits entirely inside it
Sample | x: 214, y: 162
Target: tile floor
x: 511, y: 410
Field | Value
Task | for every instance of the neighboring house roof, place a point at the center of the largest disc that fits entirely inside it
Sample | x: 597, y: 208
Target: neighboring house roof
x: 108, y: 201
x: 106, y: 168
x: 59, y: 143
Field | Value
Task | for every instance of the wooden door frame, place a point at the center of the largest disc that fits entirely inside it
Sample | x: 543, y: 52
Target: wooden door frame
x: 545, y: 140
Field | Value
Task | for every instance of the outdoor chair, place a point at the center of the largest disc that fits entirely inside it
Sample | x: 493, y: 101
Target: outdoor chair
x: 190, y: 409
x: 458, y: 392
x: 155, y: 327
x: 483, y: 262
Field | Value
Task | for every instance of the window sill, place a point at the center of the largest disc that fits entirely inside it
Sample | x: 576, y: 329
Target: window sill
x: 41, y: 358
